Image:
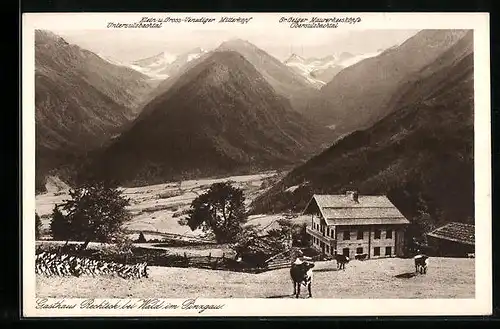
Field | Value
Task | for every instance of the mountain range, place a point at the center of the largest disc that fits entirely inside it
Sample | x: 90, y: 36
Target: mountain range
x: 319, y: 71
x: 420, y: 154
x: 284, y: 80
x: 220, y: 116
x: 358, y: 96
x: 396, y: 122
x: 81, y: 100
x: 164, y: 65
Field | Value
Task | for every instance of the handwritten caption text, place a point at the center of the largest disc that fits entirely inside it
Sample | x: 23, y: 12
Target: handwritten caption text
x: 126, y: 304
x: 159, y: 22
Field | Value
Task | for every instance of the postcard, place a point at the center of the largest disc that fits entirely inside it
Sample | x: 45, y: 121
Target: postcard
x: 256, y: 164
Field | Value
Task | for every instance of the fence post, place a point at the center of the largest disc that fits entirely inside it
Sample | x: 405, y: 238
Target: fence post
x: 214, y: 264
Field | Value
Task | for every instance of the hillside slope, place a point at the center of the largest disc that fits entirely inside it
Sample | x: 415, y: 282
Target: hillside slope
x: 221, y: 116
x: 283, y: 79
x: 421, y: 155
x: 122, y: 84
x: 81, y: 100
x: 358, y: 96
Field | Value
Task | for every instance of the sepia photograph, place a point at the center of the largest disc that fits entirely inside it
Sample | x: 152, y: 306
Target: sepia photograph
x: 226, y: 160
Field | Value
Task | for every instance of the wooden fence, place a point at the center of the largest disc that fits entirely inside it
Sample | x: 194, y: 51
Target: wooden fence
x: 278, y: 264
x: 164, y: 258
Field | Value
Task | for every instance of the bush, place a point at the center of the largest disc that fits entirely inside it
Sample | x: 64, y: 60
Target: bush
x: 60, y: 226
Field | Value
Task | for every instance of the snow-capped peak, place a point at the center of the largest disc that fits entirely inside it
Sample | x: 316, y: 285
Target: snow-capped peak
x: 319, y: 71
x: 294, y: 58
x: 160, y: 59
x: 168, y: 58
x: 195, y: 53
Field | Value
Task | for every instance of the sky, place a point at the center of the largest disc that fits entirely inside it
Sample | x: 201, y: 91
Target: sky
x: 128, y: 45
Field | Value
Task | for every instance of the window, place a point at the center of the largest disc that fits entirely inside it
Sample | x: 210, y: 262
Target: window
x: 360, y: 235
x: 347, y: 235
x: 345, y: 252
x: 332, y: 233
x: 327, y: 231
x: 327, y: 248
x: 388, y: 251
x: 377, y: 234
x: 376, y: 251
x: 359, y: 250
x: 388, y: 234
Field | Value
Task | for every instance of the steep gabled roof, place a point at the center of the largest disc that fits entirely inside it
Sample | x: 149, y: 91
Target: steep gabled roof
x: 367, y: 210
x: 456, y: 232
x: 345, y: 201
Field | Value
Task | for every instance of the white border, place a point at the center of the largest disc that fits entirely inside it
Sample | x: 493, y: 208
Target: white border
x: 481, y: 305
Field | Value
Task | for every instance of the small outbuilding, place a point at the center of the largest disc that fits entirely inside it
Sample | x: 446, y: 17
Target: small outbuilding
x: 452, y: 240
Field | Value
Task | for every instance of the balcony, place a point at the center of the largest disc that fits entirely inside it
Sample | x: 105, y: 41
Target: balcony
x: 322, y: 237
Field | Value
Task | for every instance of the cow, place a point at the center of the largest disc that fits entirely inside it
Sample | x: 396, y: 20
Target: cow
x: 421, y: 263
x: 301, y: 274
x: 341, y: 261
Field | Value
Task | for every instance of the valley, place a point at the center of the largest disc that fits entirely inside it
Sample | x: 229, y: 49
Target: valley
x: 156, y: 209
x: 281, y: 130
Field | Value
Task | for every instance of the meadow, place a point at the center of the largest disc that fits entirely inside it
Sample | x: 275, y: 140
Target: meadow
x: 381, y: 278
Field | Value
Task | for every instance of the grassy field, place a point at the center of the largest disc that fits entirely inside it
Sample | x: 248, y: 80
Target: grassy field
x: 446, y: 278
x: 159, y: 207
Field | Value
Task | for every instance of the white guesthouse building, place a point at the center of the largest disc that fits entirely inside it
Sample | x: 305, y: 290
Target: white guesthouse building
x: 353, y: 224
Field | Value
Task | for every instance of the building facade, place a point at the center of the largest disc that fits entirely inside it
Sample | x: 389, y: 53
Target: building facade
x: 368, y: 226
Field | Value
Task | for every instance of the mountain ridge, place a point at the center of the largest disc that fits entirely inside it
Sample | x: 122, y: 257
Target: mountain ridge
x: 241, y: 125
x: 81, y: 100
x: 357, y: 96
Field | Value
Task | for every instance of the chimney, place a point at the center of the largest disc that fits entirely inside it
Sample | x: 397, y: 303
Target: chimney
x: 354, y: 195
